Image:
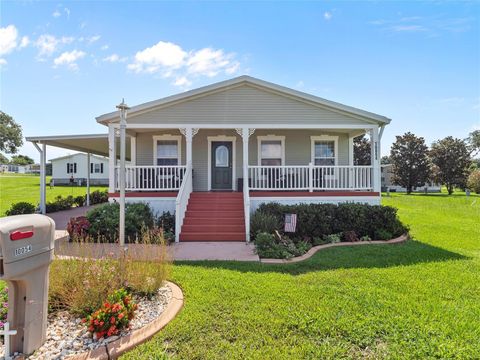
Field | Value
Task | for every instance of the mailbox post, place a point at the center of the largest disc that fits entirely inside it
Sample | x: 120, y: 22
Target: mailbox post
x: 26, y: 251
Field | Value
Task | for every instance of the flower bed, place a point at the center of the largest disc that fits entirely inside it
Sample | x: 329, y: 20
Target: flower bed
x: 319, y: 224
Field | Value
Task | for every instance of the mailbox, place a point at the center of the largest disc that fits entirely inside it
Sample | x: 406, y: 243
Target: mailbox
x: 26, y: 251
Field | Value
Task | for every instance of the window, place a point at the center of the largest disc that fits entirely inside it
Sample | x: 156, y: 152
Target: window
x: 71, y: 168
x: 221, y: 156
x: 271, y: 150
x: 324, y: 150
x: 167, y: 150
x: 96, y: 168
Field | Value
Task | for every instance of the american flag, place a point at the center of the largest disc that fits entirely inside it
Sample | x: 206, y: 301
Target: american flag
x: 290, y: 222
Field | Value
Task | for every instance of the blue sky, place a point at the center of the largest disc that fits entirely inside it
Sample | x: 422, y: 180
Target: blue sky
x: 63, y: 63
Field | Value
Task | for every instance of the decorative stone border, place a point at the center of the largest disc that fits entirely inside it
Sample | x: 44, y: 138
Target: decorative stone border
x: 314, y: 249
x: 116, y: 348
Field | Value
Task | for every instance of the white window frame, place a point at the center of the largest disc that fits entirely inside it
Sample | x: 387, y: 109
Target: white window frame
x: 95, y: 168
x: 167, y: 137
x: 333, y: 138
x: 270, y: 138
x: 233, y: 140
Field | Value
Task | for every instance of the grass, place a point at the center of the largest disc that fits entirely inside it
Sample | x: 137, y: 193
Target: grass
x: 20, y: 187
x: 413, y: 300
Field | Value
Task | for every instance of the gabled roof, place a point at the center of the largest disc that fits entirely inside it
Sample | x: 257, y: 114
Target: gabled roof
x: 238, y: 81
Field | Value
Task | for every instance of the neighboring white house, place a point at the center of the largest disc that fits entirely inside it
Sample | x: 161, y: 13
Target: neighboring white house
x: 10, y: 168
x: 75, y: 167
x: 387, y: 182
x: 214, y: 154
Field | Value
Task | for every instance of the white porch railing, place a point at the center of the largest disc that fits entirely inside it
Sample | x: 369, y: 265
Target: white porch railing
x: 182, y: 201
x: 310, y: 177
x: 144, y: 178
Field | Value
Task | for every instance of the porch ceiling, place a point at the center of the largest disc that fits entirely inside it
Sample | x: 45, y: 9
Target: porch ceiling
x: 89, y: 143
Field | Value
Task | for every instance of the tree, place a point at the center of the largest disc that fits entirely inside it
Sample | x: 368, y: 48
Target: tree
x: 10, y: 134
x: 385, y: 160
x: 3, y: 159
x: 411, y: 166
x: 361, y: 151
x: 451, y: 158
x: 474, y: 142
x: 21, y: 160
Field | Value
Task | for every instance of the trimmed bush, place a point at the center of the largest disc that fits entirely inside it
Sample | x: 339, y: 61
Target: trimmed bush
x: 98, y: 197
x: 473, y: 182
x: 60, y: 204
x: 319, y: 220
x: 104, y: 221
x: 20, y: 208
x: 80, y: 200
x: 261, y: 222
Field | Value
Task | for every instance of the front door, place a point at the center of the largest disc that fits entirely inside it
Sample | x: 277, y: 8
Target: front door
x: 221, y: 165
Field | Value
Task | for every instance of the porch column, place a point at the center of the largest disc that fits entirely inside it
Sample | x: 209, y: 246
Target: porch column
x: 245, y: 137
x: 89, y: 167
x: 188, y: 140
x: 111, y: 158
x: 375, y: 159
x: 351, y: 163
x: 133, y: 150
x: 43, y: 181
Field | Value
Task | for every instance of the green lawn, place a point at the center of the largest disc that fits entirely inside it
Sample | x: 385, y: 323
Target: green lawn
x: 18, y: 187
x: 417, y: 300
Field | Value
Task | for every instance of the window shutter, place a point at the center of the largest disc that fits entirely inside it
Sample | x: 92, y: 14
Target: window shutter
x: 91, y: 168
x: 68, y: 168
x: 74, y: 168
x: 101, y: 168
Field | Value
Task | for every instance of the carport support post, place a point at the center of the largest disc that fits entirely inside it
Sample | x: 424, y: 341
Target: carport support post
x: 43, y: 173
x: 89, y: 167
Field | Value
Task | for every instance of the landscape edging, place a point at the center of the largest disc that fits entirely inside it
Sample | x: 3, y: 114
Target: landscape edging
x: 116, y: 348
x: 314, y: 249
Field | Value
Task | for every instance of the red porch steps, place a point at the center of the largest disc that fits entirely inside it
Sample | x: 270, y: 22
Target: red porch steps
x: 214, y: 216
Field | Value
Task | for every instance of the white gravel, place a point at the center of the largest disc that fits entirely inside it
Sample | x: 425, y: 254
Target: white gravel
x: 67, y: 335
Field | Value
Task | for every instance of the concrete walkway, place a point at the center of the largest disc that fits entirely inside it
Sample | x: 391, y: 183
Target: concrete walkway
x: 214, y: 250
x: 62, y: 218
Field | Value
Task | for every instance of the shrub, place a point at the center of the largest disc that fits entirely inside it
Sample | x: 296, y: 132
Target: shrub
x: 60, y: 204
x: 333, y: 238
x: 267, y: 247
x: 80, y: 200
x: 319, y: 220
x: 104, y: 221
x: 77, y: 228
x: 366, y: 238
x: 114, y: 315
x: 261, y: 222
x: 3, y: 306
x: 166, y: 221
x: 20, y: 208
x: 98, y: 197
x: 382, y: 234
x: 350, y: 236
x: 473, y: 182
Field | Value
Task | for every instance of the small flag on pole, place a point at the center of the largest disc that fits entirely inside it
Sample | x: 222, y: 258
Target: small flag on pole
x: 290, y: 222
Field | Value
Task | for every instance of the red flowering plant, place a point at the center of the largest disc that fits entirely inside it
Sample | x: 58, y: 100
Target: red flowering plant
x: 113, y: 316
x: 77, y: 228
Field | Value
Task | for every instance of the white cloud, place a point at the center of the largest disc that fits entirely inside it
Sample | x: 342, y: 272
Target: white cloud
x: 182, y: 82
x: 408, y: 28
x: 93, y: 39
x: 48, y: 44
x: 67, y: 11
x: 3, y: 62
x: 300, y: 84
x: 8, y: 39
x: 327, y: 15
x: 164, y: 56
x: 24, y: 42
x: 104, y: 47
x: 114, y: 58
x: 69, y: 58
x: 56, y: 14
x: 171, y: 61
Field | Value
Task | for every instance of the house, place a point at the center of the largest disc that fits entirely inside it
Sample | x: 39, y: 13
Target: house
x: 387, y: 182
x: 75, y: 167
x: 212, y: 155
x: 11, y: 168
